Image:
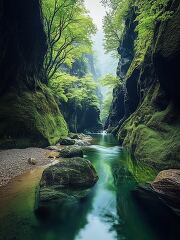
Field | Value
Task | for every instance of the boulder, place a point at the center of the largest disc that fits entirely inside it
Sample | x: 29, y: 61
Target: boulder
x: 68, y: 180
x: 67, y: 141
x: 70, y: 152
x: 70, y: 172
x: 83, y: 140
x: 74, y: 136
x: 167, y: 186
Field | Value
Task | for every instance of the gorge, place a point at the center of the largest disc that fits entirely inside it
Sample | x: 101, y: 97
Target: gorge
x: 88, y: 151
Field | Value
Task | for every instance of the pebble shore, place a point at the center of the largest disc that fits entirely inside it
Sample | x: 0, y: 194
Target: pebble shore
x: 14, y: 162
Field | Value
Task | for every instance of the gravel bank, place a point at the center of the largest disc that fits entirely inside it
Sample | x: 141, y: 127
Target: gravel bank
x: 14, y: 162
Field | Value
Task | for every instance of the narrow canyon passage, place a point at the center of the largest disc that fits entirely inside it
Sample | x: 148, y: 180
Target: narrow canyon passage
x: 89, y: 120
x: 109, y: 212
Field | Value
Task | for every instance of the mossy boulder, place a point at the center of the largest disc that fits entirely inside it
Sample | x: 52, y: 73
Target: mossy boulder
x: 30, y: 119
x: 70, y: 152
x: 67, y: 180
x: 70, y: 172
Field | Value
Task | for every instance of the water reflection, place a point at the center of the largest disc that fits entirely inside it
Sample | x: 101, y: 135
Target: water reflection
x: 108, y: 213
x: 64, y: 222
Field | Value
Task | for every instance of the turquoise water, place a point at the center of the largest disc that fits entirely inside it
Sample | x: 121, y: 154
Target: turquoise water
x: 108, y: 213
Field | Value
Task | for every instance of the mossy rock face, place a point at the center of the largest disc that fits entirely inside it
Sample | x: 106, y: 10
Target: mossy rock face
x: 150, y: 125
x: 30, y: 119
x: 151, y: 133
x: 167, y: 53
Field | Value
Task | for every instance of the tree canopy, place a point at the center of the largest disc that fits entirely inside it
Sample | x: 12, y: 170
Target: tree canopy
x: 113, y: 23
x: 72, y: 88
x: 68, y: 28
x: 108, y: 81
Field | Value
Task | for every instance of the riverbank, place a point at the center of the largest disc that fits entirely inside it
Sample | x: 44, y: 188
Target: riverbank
x: 14, y: 162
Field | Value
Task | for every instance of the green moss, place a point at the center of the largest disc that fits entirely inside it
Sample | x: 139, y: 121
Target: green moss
x: 152, y: 135
x: 30, y: 119
x: 142, y: 172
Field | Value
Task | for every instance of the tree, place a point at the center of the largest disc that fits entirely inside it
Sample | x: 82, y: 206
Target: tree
x: 106, y: 107
x: 68, y: 29
x: 79, y: 92
x: 110, y: 81
x: 113, y: 23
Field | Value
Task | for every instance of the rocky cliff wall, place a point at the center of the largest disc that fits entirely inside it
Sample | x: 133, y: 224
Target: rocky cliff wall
x: 29, y: 114
x: 150, y: 125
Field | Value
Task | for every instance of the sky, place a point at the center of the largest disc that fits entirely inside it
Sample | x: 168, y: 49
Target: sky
x: 105, y: 63
x: 97, y: 12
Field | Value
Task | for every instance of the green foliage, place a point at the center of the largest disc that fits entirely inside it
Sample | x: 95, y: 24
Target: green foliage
x: 77, y: 90
x: 68, y: 28
x: 114, y: 23
x: 148, y: 12
x: 110, y: 81
x: 106, y: 107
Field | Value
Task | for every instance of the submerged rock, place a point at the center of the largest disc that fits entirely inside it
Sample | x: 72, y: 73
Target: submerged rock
x: 70, y: 152
x: 162, y: 196
x: 51, y: 194
x: 162, y: 218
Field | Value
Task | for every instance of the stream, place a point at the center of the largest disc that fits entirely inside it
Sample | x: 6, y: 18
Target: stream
x: 108, y: 213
